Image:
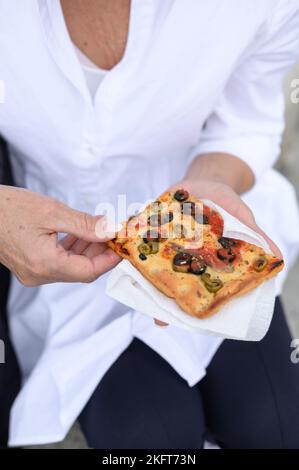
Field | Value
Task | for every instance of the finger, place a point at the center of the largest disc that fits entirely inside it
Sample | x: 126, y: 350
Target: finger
x: 70, y: 267
x: 246, y: 216
x: 68, y: 241
x: 80, y: 246
x: 105, y: 261
x: 106, y: 228
x: 94, y: 249
x: 274, y: 248
x: 81, y: 224
x: 160, y: 323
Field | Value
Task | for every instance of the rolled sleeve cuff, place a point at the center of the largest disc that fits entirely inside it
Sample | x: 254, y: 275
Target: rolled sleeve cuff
x: 258, y: 153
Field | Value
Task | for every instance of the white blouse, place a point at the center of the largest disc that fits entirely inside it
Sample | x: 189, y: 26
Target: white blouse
x: 195, y: 77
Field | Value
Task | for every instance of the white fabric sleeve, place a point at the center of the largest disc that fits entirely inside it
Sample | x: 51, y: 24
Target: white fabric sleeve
x: 248, y: 120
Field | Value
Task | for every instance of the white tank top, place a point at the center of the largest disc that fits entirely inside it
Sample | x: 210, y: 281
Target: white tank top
x: 93, y: 74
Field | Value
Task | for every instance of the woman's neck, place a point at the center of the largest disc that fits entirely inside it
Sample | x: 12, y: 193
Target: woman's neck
x: 99, y: 28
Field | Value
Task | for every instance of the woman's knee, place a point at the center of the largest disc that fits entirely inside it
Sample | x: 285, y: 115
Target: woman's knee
x: 142, y: 403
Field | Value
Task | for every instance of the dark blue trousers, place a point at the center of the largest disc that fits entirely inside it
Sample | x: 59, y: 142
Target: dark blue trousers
x: 248, y: 399
x: 9, y: 372
x: 9, y: 380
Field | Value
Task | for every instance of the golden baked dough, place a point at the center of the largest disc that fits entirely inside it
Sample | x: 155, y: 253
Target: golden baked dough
x: 177, y: 244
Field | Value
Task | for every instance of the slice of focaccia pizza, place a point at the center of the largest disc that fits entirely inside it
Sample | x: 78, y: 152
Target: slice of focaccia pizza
x: 177, y: 243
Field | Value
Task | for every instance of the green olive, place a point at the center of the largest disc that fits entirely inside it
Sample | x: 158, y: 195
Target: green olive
x: 149, y: 248
x: 259, y: 264
x: 212, y: 284
x: 145, y: 248
x: 205, y: 277
x: 154, y: 247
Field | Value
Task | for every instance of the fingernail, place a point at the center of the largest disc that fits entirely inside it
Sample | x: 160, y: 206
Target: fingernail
x: 160, y: 324
x: 107, y: 228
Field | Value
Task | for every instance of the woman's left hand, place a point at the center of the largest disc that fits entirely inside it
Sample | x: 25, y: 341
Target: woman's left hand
x: 225, y: 197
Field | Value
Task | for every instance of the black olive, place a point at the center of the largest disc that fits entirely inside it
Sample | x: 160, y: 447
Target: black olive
x: 154, y: 220
x: 188, y: 208
x: 197, y: 266
x: 276, y: 264
x: 181, y: 195
x: 195, y: 210
x: 153, y: 236
x: 142, y: 256
x: 182, y: 258
x: 201, y: 219
x: 166, y: 218
x: 160, y: 219
x: 181, y: 262
x: 227, y: 242
x: 226, y: 255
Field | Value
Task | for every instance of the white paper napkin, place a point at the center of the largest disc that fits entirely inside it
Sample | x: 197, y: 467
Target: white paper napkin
x: 244, y: 318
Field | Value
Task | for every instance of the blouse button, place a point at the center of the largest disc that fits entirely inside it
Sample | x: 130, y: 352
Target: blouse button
x: 89, y: 149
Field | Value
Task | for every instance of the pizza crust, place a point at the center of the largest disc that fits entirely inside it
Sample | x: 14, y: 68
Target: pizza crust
x: 188, y: 289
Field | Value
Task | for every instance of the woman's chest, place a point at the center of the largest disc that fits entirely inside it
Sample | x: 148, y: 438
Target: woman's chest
x: 155, y: 100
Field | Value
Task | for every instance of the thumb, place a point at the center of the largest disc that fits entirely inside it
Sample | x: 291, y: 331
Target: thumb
x: 83, y: 225
x: 274, y: 248
x: 251, y: 223
x: 245, y: 215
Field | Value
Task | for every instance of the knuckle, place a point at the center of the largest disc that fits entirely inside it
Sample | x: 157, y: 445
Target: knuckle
x: 26, y: 276
x: 49, y: 207
x: 90, y: 278
x: 52, y: 211
x: 87, y: 222
x: 28, y: 280
x: 36, y: 267
x: 245, y: 212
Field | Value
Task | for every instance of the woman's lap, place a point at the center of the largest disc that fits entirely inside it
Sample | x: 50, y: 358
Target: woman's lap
x: 143, y: 403
x: 248, y: 399
x: 250, y: 393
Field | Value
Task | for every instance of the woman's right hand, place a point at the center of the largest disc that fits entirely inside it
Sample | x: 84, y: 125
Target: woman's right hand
x: 29, y: 246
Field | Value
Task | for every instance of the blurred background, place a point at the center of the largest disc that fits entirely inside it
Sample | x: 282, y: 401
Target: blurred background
x: 289, y: 166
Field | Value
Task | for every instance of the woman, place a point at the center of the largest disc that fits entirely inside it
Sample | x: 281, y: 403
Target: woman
x: 111, y: 98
